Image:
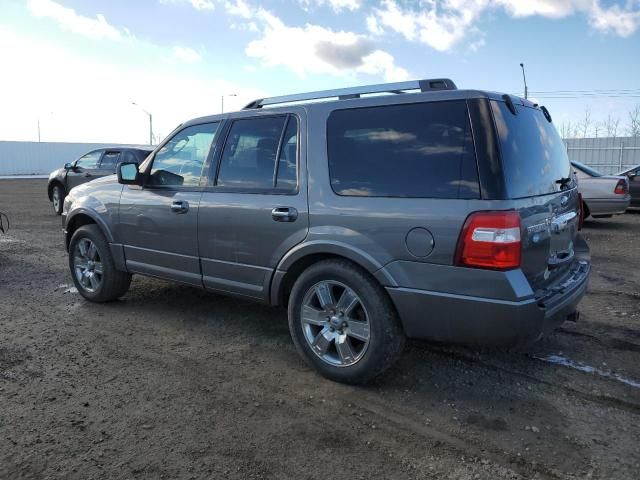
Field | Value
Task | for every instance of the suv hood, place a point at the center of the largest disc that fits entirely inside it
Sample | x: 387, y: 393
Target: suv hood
x: 94, y: 185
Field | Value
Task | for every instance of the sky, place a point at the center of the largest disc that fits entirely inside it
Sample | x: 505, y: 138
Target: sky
x: 76, y: 66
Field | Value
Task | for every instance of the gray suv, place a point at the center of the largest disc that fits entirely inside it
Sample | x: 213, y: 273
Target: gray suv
x: 376, y: 213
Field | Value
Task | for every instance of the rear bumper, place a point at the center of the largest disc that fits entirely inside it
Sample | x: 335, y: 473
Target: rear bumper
x: 472, y: 320
x: 608, y: 206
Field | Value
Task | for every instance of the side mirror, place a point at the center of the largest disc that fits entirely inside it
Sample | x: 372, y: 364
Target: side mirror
x: 128, y: 173
x: 68, y: 166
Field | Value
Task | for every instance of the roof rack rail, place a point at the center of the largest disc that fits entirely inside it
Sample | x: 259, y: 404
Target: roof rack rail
x: 355, y: 92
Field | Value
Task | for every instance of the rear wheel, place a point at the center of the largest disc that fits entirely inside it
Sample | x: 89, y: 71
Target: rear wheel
x: 92, y: 267
x: 343, y: 323
x: 57, y: 199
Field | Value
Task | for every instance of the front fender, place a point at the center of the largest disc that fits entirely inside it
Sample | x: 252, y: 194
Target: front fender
x: 100, y: 205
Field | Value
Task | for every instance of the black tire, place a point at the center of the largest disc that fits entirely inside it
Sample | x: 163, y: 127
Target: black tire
x: 386, y: 337
x: 114, y: 283
x: 57, y: 198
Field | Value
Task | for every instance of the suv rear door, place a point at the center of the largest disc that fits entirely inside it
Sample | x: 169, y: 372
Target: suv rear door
x: 539, y: 179
x: 158, y: 222
x: 255, y: 206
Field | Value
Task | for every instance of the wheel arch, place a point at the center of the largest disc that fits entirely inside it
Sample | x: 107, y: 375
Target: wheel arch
x: 81, y: 218
x: 53, y: 183
x: 303, y: 256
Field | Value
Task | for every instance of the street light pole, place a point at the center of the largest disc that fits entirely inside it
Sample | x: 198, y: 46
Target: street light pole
x: 150, y: 122
x: 526, y: 89
x: 222, y: 100
x: 38, y: 129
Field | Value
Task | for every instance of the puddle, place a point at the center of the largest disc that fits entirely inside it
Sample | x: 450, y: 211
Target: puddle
x: 567, y: 362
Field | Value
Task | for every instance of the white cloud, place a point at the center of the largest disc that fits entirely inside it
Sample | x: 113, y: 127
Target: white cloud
x: 100, y: 110
x: 185, y: 54
x: 317, y: 50
x: 94, y: 28
x: 373, y: 27
x: 239, y: 8
x: 337, y: 5
x: 202, y: 4
x: 622, y: 21
x: 442, y: 24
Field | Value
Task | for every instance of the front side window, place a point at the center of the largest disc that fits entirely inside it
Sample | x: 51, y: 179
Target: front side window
x: 180, y: 161
x: 249, y: 155
x: 90, y: 160
x: 422, y: 150
x: 110, y: 160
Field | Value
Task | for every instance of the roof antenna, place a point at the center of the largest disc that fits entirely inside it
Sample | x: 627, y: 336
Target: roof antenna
x: 524, y: 77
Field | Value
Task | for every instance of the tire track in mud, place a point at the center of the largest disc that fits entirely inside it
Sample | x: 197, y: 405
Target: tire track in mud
x: 608, y: 401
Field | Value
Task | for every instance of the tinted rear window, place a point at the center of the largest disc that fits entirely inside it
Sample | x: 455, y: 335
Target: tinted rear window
x: 415, y: 150
x: 533, y: 155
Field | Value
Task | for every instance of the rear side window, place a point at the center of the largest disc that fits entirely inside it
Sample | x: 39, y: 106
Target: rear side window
x: 260, y: 154
x: 109, y: 160
x: 416, y: 150
x: 534, y: 157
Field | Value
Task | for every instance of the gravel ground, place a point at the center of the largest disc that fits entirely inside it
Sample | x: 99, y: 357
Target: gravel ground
x: 173, y: 382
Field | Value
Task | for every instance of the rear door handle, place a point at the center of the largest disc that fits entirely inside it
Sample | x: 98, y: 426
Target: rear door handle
x: 180, y: 206
x: 284, y: 214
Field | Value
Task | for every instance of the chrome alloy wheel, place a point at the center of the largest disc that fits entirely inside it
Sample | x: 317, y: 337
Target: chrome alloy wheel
x: 335, y: 323
x: 87, y: 265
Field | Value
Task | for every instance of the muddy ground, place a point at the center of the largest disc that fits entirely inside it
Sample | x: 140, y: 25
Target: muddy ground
x: 172, y: 382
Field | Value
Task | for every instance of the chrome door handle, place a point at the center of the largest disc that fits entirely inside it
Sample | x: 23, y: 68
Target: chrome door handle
x: 180, y: 206
x: 284, y: 214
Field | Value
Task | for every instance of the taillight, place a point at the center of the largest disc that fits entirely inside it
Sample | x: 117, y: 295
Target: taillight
x: 621, y: 188
x: 580, y: 212
x: 490, y: 240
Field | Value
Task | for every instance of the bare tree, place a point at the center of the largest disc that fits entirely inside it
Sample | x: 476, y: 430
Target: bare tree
x: 634, y: 122
x: 586, y: 123
x: 611, y: 126
x: 565, y: 129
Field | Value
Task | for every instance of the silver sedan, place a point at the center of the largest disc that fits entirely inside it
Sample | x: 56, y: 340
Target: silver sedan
x: 602, y: 195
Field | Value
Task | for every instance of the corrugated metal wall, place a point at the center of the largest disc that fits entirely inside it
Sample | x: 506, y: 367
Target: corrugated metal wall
x: 607, y: 155
x: 39, y: 158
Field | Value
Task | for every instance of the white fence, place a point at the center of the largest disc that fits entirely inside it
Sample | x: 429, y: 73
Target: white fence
x: 39, y: 158
x: 607, y: 155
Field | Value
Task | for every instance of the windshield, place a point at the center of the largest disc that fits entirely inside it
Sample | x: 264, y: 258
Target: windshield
x: 586, y: 169
x: 534, y: 158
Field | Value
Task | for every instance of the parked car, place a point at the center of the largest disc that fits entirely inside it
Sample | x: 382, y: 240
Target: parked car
x: 95, y: 164
x: 602, y: 195
x: 633, y: 174
x: 444, y: 214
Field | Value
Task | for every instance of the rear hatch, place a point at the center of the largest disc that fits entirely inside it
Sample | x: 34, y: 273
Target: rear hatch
x: 540, y: 181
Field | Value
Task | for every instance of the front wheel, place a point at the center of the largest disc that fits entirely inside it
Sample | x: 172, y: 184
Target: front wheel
x: 92, y: 267
x: 343, y: 323
x: 57, y: 199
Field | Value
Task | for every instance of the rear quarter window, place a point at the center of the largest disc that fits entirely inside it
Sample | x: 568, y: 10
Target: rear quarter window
x: 420, y: 150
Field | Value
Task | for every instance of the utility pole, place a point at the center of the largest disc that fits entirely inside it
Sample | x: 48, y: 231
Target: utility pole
x: 524, y: 77
x: 150, y: 122
x: 38, y: 129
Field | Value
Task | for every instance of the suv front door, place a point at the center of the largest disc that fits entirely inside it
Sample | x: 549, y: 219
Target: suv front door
x: 158, y: 221
x: 255, y: 209
x: 84, y: 169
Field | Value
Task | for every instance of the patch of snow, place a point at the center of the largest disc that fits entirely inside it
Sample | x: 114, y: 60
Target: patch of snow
x: 567, y: 362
